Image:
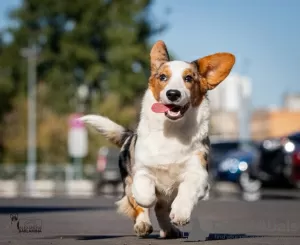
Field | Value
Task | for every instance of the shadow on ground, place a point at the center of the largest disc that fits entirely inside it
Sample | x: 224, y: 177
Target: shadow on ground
x: 97, y: 237
x: 211, y: 237
x: 231, y: 236
x: 27, y: 209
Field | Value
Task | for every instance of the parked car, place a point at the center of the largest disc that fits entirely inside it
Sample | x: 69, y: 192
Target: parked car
x: 292, y: 159
x: 280, y: 161
x: 295, y: 169
x: 108, y: 169
x: 218, y: 150
x: 236, y: 162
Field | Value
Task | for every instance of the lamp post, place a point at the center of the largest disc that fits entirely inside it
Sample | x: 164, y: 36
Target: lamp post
x: 30, y: 53
x: 245, y: 91
x: 83, y: 95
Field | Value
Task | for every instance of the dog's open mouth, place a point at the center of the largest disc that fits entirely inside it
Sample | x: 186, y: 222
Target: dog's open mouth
x: 171, y: 111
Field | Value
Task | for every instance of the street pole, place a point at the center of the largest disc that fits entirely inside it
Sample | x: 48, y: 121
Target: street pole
x: 244, y: 109
x: 242, y: 112
x: 30, y: 54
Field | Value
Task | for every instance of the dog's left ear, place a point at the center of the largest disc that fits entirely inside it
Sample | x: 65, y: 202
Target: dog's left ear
x: 158, y: 55
x: 215, y: 68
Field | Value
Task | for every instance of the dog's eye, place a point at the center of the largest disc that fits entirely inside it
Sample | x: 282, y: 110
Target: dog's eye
x: 188, y: 78
x: 163, y: 77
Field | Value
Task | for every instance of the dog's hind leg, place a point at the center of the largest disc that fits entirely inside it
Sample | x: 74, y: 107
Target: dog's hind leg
x: 139, y: 215
x: 167, y: 229
x: 142, y: 226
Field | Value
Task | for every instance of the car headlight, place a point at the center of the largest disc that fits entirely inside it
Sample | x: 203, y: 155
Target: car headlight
x: 271, y: 144
x: 243, y: 166
x: 289, y: 146
x: 229, y: 164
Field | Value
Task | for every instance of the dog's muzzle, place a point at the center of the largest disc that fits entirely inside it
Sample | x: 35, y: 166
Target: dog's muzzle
x: 173, y: 95
x: 176, y: 112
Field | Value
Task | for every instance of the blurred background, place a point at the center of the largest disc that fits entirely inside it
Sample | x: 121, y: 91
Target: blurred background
x: 62, y: 59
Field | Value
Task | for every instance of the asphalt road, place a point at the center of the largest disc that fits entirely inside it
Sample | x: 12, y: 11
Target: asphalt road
x: 94, y: 221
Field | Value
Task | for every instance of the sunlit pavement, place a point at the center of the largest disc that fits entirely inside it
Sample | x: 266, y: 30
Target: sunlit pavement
x: 94, y: 221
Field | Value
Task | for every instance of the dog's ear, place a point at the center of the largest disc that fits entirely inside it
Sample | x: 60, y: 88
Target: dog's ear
x: 158, y: 55
x: 215, y: 68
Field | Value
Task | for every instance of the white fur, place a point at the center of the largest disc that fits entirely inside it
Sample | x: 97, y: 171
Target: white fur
x: 166, y: 166
x: 190, y: 190
x: 165, y: 154
x: 102, y: 124
x: 107, y: 127
x: 144, y: 199
x: 166, y: 160
x: 176, y: 82
x: 142, y: 223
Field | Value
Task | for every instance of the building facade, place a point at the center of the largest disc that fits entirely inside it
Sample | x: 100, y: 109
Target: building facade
x: 229, y: 104
x: 291, y: 102
x: 274, y: 123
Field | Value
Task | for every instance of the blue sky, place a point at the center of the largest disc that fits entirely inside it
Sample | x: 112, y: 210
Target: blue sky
x: 263, y: 32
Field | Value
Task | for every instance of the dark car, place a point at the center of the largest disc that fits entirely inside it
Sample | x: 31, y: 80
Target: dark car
x: 220, y: 150
x: 279, y: 161
x: 295, y: 167
x: 108, y: 170
x: 236, y: 162
x: 291, y: 146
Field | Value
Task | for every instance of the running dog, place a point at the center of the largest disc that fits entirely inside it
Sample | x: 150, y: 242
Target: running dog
x: 163, y: 163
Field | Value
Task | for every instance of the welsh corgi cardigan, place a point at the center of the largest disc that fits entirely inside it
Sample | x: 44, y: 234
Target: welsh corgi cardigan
x: 163, y: 163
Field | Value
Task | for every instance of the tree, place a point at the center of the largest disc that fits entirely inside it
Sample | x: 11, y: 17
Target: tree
x: 103, y: 44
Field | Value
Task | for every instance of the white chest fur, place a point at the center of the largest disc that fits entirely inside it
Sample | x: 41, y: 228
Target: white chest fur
x: 164, y: 160
x: 164, y: 148
x: 154, y: 149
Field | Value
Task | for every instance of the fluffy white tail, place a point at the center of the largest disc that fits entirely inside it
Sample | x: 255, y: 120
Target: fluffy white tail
x: 109, y: 129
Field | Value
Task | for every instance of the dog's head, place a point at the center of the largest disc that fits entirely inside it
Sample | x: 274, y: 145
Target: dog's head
x: 179, y: 85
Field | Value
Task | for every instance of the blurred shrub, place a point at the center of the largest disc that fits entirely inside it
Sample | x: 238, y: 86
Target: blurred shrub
x: 52, y: 129
x: 102, y: 44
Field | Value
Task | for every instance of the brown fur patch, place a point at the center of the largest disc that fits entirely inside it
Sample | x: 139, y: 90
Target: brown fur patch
x: 158, y: 55
x: 215, y: 68
x: 127, y: 205
x: 138, y: 209
x: 196, y: 87
x: 115, y: 137
x: 203, y: 158
x: 204, y: 155
x: 155, y: 84
x: 124, y: 207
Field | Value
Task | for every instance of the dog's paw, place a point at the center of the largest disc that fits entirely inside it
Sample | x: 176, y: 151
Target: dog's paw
x: 180, y: 215
x: 143, y: 229
x: 174, y: 232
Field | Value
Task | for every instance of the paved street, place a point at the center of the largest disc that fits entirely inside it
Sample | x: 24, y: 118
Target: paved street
x: 94, y: 221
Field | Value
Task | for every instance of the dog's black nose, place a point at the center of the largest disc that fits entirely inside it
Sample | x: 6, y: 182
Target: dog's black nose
x: 173, y: 94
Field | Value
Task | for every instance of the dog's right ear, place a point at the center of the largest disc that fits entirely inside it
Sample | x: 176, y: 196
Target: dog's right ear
x: 158, y: 55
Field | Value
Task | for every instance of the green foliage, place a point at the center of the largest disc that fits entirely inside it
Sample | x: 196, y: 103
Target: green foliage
x: 103, y: 44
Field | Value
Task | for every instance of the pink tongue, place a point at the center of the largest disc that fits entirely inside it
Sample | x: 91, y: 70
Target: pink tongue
x: 160, y: 108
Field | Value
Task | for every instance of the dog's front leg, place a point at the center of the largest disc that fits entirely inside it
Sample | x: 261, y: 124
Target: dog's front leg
x: 193, y: 186
x: 143, y: 189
